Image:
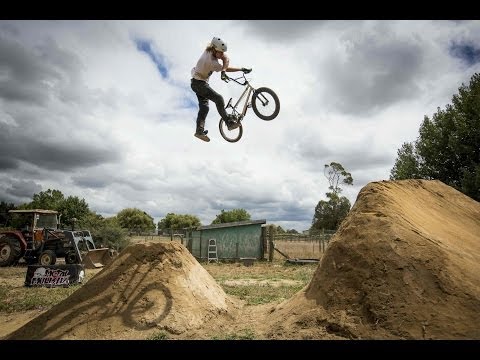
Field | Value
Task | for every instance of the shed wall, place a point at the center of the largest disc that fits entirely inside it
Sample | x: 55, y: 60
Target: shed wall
x: 232, y: 242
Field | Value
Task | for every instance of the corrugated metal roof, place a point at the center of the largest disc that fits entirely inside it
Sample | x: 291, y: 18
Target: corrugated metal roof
x: 232, y: 224
x: 40, y: 211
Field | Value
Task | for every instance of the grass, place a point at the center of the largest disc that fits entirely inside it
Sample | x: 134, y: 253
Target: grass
x: 39, y: 298
x: 16, y: 297
x: 245, y: 334
x: 262, y: 283
x: 256, y: 295
x: 158, y: 336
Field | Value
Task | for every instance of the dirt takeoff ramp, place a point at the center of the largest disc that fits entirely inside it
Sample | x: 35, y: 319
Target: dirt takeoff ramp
x: 148, y: 288
x: 405, y: 263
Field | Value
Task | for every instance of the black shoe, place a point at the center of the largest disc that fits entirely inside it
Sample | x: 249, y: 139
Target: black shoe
x: 202, y: 134
x: 232, y: 122
x: 232, y: 125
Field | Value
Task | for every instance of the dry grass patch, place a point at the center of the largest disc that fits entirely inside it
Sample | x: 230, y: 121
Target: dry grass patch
x: 15, y: 296
x: 263, y: 282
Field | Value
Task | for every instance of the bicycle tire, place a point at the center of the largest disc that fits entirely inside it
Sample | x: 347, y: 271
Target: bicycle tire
x: 222, y: 125
x: 257, y: 102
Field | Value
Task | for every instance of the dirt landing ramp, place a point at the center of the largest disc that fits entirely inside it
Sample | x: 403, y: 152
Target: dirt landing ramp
x: 405, y: 263
x: 148, y: 288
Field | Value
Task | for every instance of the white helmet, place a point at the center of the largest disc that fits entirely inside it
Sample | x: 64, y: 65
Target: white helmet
x: 219, y: 44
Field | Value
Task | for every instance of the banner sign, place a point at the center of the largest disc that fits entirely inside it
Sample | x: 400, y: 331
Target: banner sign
x: 54, y: 275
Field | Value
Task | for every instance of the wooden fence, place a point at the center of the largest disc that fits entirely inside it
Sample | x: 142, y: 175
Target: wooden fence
x: 296, y: 246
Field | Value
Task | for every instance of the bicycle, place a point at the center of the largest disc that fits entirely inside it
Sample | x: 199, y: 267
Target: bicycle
x: 264, y: 102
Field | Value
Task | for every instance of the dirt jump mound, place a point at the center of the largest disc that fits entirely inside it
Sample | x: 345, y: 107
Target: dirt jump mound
x: 148, y: 288
x: 403, y: 264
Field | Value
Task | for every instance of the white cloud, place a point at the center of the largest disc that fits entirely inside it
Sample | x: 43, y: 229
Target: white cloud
x: 84, y: 111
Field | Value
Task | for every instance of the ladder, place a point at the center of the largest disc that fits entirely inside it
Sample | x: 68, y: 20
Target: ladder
x: 212, y: 250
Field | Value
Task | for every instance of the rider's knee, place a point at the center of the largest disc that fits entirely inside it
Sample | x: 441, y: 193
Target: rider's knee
x: 218, y: 99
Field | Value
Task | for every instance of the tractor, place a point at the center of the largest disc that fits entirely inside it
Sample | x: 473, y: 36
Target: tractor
x: 35, y: 237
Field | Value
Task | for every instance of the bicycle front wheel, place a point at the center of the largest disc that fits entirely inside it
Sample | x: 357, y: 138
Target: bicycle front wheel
x: 230, y: 135
x: 265, y: 104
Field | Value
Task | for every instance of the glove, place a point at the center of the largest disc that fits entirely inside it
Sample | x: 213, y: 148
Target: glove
x: 224, y: 76
x: 246, y: 71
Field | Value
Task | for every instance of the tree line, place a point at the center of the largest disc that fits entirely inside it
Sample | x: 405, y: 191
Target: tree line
x: 114, y: 231
x: 448, y: 145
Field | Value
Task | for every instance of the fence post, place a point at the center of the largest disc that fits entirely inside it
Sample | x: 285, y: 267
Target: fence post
x: 271, y: 236
x: 264, y: 241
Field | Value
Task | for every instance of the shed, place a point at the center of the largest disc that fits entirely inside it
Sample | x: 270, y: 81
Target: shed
x: 235, y: 240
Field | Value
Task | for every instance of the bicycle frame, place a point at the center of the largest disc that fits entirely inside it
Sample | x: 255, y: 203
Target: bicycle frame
x: 246, y: 95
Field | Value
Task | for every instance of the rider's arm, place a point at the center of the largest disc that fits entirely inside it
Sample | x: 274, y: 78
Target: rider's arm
x: 233, y: 69
x: 226, y: 62
x: 227, y: 68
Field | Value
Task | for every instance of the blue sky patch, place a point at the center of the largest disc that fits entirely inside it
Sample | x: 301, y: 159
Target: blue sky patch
x: 157, y: 58
x: 465, y: 52
x: 188, y: 103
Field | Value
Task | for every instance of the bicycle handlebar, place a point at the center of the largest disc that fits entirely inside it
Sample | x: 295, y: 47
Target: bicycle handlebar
x: 227, y: 78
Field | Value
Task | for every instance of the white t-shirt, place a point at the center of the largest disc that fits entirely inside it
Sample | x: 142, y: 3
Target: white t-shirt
x: 206, y: 65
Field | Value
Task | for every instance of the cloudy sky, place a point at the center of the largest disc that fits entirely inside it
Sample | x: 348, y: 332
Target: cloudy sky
x: 103, y: 110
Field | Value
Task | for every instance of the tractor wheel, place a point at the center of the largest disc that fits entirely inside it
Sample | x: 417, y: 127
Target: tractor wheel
x: 10, y: 250
x: 71, y: 257
x: 47, y: 257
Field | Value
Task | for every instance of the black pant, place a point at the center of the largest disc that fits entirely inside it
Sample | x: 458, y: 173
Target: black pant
x: 204, y: 93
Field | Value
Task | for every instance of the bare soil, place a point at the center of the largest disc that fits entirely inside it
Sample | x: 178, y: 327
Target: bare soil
x: 403, y: 265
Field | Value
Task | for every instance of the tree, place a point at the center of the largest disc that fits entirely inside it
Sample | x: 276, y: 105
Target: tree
x: 135, y: 220
x: 91, y: 221
x: 70, y: 208
x: 178, y: 221
x: 407, y: 165
x: 111, y: 234
x: 334, y: 172
x: 105, y: 232
x: 231, y: 216
x: 330, y: 214
x: 447, y: 148
x: 4, y: 208
x: 73, y: 209
x: 47, y: 200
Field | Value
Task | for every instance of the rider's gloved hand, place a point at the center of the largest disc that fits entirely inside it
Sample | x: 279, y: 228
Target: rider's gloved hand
x: 246, y: 71
x: 224, y: 76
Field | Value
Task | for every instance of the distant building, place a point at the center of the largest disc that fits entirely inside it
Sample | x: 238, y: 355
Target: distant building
x: 235, y: 240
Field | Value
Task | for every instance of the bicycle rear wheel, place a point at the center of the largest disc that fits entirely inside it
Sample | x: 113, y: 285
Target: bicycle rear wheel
x: 230, y: 135
x: 265, y: 103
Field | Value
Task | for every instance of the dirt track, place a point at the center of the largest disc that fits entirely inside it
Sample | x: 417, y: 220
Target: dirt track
x: 403, y: 265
